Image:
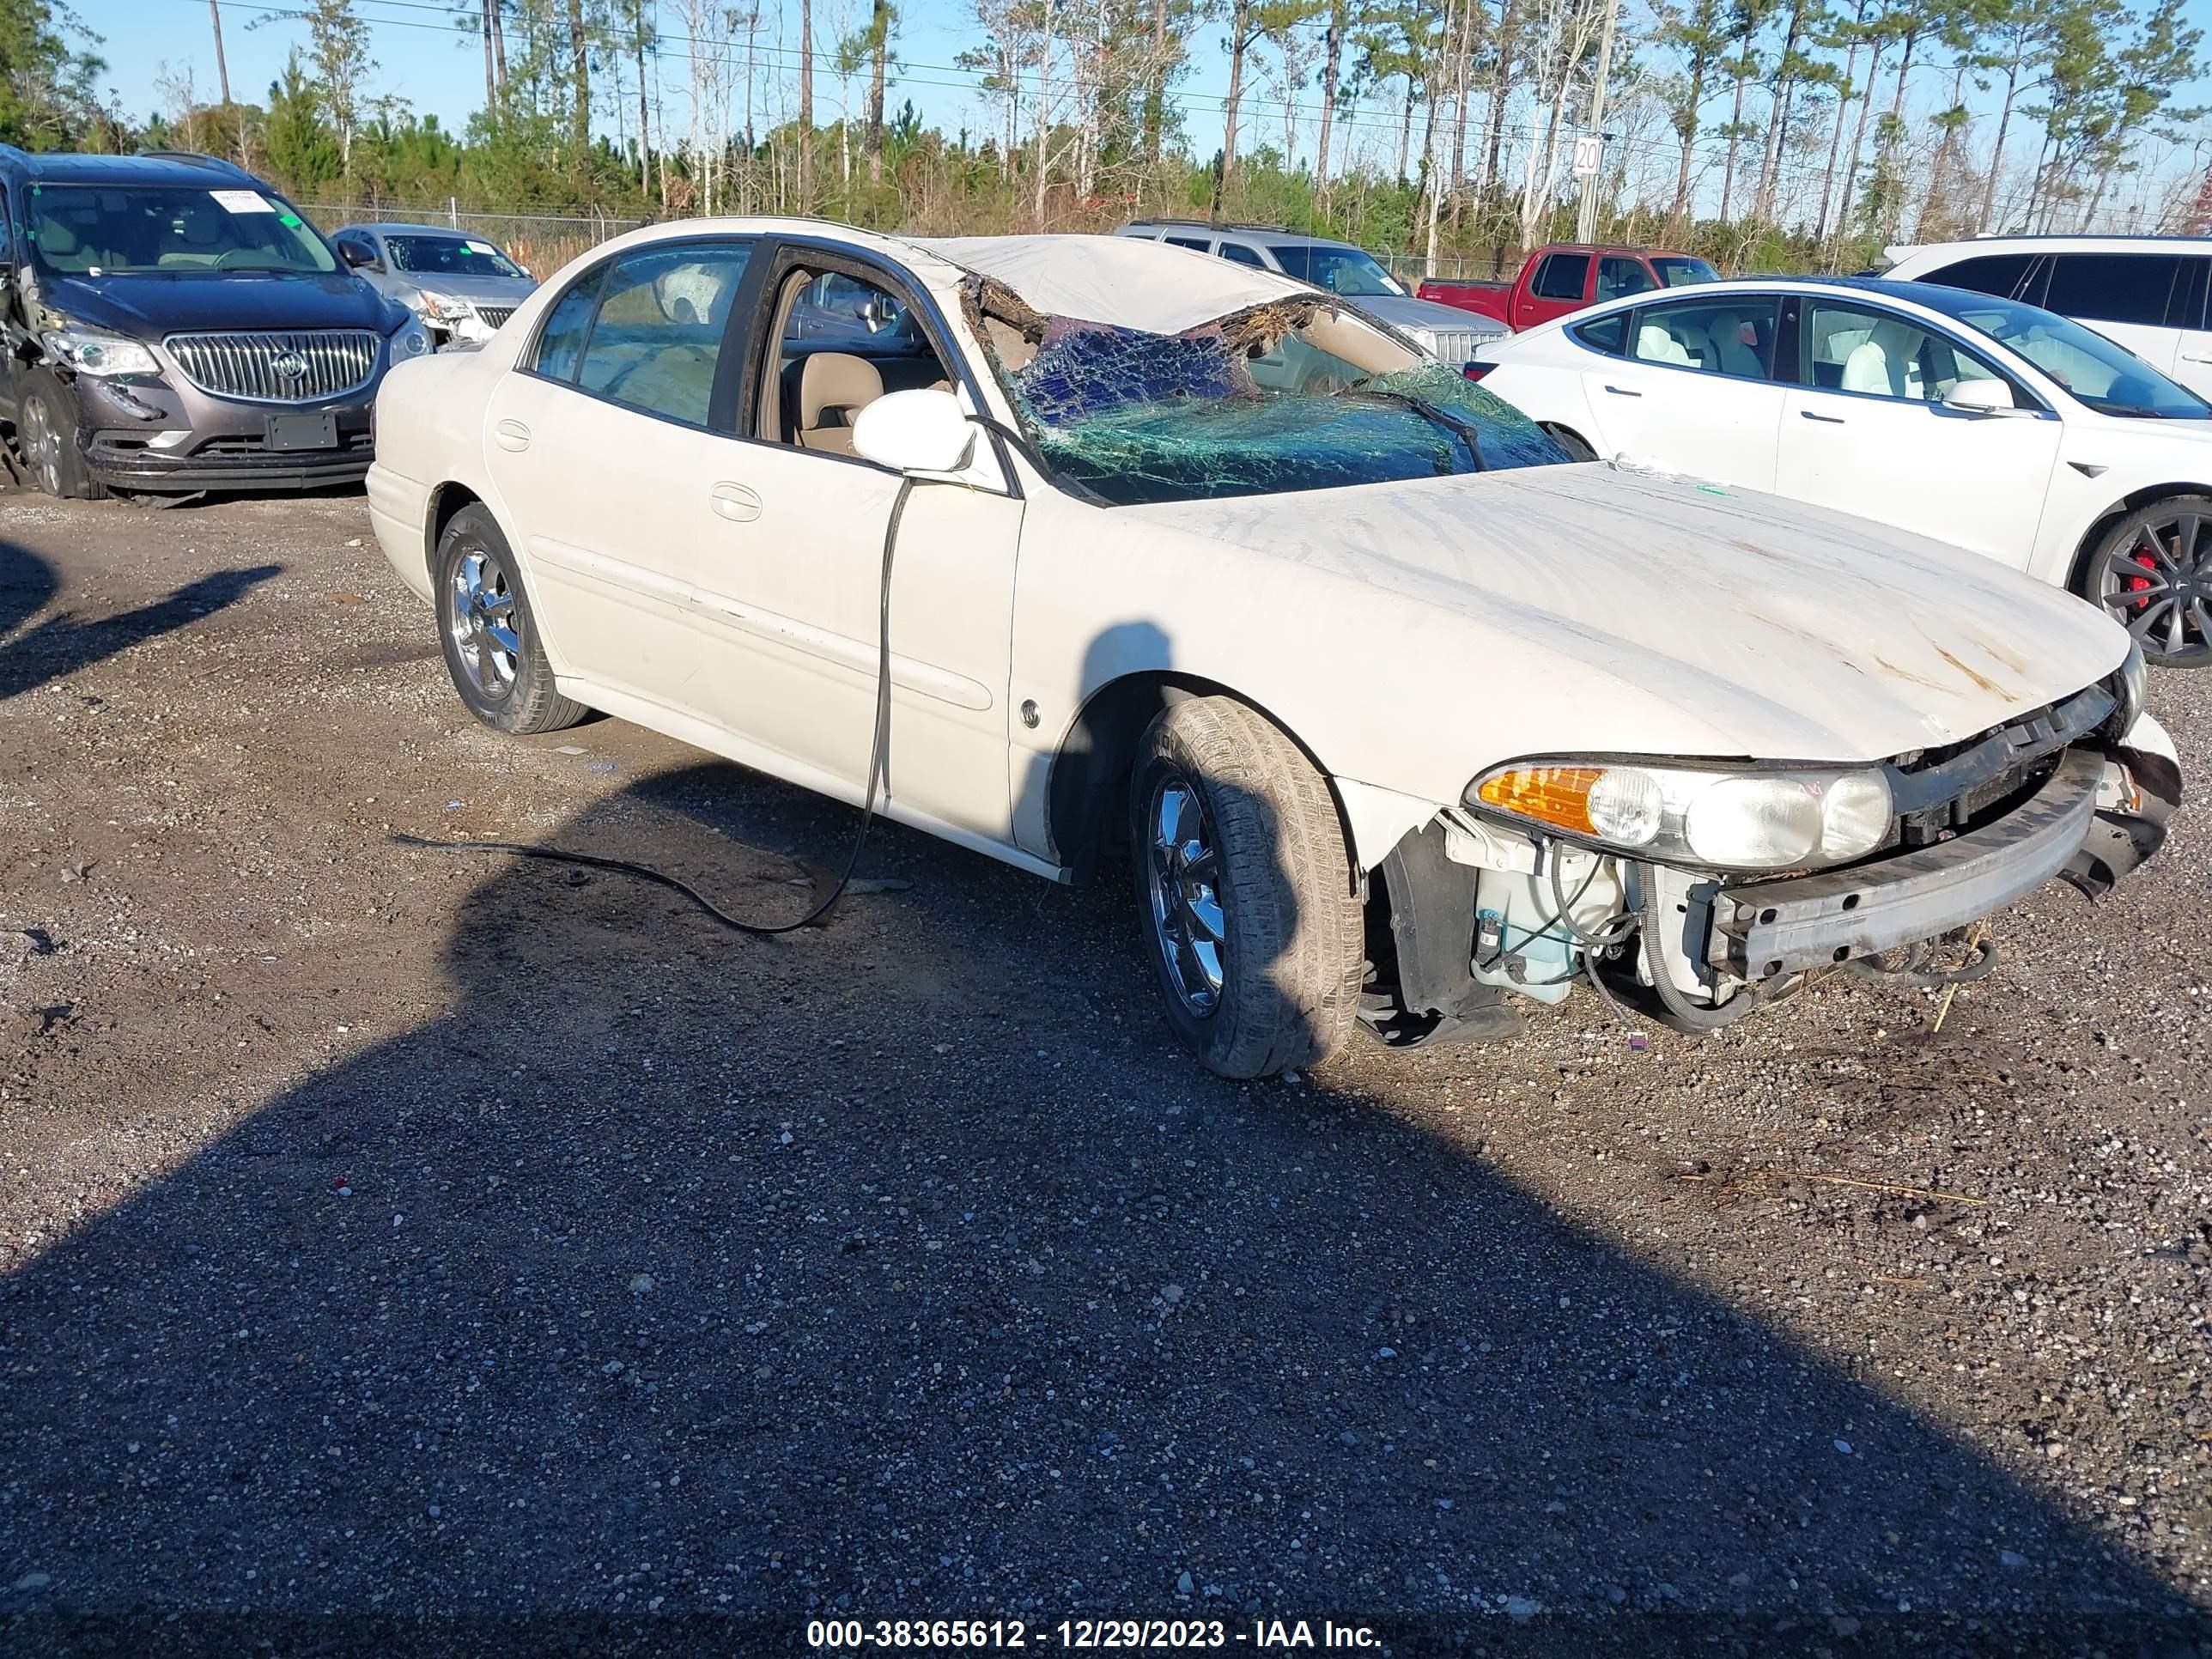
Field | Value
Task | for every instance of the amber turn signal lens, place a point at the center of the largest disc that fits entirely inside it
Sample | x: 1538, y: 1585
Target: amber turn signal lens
x: 1557, y: 795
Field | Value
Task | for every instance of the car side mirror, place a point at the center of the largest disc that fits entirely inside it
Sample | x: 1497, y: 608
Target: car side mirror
x: 1990, y: 397
x: 358, y: 257
x: 923, y: 431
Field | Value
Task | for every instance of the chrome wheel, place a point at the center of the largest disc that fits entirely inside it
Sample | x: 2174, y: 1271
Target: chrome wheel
x: 2157, y: 582
x: 1187, y: 924
x: 480, y: 617
x: 42, y: 445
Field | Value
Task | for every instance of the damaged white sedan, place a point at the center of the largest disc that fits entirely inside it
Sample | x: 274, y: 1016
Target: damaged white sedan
x: 1402, y: 720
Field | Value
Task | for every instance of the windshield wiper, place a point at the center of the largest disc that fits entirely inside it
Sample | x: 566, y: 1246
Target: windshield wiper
x: 1435, y: 414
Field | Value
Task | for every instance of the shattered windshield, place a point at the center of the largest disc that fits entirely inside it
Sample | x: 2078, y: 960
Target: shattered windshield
x: 1252, y: 404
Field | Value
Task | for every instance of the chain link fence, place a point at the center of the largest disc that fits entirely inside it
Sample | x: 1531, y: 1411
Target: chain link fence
x: 545, y: 241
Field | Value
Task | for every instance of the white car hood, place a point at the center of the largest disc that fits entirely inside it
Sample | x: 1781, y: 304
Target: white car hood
x: 1683, y: 618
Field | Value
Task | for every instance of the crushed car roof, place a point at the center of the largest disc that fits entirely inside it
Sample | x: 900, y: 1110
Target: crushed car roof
x: 1121, y: 280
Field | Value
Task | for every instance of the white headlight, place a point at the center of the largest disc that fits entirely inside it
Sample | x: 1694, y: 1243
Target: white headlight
x: 1627, y: 806
x: 410, y: 339
x: 1753, y: 822
x: 1855, y: 814
x: 88, y: 351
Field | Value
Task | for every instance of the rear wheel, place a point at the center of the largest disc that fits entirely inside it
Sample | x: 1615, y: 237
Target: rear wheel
x: 489, y: 635
x: 2153, y: 574
x: 1244, y: 890
x: 45, y: 431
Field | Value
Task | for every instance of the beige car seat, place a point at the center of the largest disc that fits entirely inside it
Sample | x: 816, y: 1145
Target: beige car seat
x: 833, y: 387
x: 1885, y: 364
x: 1654, y: 344
x: 1731, y: 355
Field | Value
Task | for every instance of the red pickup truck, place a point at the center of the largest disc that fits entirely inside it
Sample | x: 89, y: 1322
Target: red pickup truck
x: 1566, y: 276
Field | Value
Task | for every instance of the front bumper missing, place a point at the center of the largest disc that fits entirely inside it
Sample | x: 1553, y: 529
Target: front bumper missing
x: 1764, y: 931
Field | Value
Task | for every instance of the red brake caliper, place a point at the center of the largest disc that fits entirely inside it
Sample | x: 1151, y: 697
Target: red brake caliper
x: 2141, y: 584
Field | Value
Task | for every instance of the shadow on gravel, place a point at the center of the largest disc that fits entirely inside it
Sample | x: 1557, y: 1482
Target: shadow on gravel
x: 905, y: 1267
x: 63, y: 644
x: 27, y: 582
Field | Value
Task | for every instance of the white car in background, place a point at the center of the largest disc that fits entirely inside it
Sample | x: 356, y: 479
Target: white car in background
x: 2150, y: 293
x: 1977, y: 420
x: 1094, y: 544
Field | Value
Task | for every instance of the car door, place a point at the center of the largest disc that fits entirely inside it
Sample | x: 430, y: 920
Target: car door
x: 789, y: 593
x: 1867, y: 433
x: 2193, y: 356
x: 1560, y: 284
x: 1619, y: 275
x: 2132, y: 298
x: 1693, y: 390
x: 603, y: 446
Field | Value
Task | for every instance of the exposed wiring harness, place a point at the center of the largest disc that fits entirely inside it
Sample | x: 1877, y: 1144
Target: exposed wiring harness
x: 879, y: 774
x: 1682, y: 1013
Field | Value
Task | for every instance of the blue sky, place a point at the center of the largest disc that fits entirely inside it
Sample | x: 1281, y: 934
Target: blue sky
x: 422, y: 58
x: 438, y: 70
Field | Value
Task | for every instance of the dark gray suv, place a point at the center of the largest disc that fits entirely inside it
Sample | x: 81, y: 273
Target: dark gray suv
x: 172, y: 324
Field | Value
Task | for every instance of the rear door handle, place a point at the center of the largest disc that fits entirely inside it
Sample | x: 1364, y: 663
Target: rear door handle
x: 1824, y: 420
x: 2195, y: 357
x: 734, y: 501
x: 1622, y: 390
x: 512, y: 434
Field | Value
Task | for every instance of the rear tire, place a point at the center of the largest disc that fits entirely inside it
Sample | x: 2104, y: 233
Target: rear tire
x: 1243, y: 891
x: 489, y: 633
x: 1576, y: 448
x: 45, y: 433
x: 2152, y: 573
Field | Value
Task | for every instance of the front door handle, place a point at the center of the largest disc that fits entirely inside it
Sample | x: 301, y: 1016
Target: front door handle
x: 1824, y: 420
x: 512, y: 434
x: 2195, y: 357
x: 1622, y: 390
x: 734, y: 501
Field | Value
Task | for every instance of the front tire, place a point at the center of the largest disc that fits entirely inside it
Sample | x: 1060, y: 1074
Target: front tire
x: 1244, y: 890
x: 489, y: 633
x: 2152, y: 573
x: 45, y: 433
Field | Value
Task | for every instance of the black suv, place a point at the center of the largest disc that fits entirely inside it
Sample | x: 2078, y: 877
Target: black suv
x: 173, y: 325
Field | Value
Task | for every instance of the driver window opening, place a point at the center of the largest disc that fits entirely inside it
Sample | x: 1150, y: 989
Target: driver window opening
x: 841, y: 342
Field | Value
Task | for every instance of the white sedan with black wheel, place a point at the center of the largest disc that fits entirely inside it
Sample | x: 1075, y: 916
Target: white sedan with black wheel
x: 1977, y: 420
x: 1076, y: 548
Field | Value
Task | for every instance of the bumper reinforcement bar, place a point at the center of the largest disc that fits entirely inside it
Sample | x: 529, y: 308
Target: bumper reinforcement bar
x: 1766, y: 929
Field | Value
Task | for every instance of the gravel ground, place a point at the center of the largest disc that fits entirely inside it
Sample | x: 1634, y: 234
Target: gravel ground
x: 390, y: 1231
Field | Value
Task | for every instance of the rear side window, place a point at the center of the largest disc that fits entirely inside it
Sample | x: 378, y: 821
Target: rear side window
x: 658, y: 335
x: 2001, y: 274
x: 1561, y: 277
x: 1606, y: 334
x: 563, y: 340
x: 1617, y: 277
x: 1733, y: 337
x: 563, y: 336
x: 1195, y: 244
x: 1237, y: 254
x: 2113, y: 287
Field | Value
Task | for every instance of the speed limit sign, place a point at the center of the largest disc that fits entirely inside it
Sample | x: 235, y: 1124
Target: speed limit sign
x: 1589, y: 150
